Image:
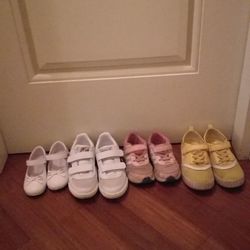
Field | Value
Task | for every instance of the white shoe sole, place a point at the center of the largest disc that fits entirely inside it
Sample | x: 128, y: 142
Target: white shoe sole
x: 83, y: 195
x: 230, y: 184
x: 114, y: 195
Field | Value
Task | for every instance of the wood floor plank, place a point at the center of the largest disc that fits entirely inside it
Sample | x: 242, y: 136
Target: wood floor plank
x: 157, y: 216
x: 12, y: 236
x: 127, y: 225
x: 167, y: 220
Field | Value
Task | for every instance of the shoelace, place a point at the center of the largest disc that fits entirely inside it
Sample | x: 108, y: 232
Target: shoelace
x: 38, y: 179
x: 199, y: 157
x: 166, y: 156
x: 56, y: 172
x: 224, y: 156
x: 139, y: 157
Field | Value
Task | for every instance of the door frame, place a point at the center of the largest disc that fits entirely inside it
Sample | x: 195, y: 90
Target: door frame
x: 241, y: 129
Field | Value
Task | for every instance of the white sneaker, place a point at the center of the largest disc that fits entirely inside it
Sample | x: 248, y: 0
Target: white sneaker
x: 82, y: 173
x: 35, y: 177
x: 113, y: 181
x: 57, y: 176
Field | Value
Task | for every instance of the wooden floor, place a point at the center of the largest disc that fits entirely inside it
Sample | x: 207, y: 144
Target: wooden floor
x: 149, y: 217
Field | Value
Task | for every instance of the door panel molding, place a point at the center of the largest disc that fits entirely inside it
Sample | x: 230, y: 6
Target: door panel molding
x: 151, y: 99
x: 179, y: 58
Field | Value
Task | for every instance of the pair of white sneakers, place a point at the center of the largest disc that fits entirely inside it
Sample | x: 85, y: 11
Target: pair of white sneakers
x: 82, y: 174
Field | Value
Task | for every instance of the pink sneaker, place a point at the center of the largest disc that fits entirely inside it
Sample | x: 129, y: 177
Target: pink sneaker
x: 139, y: 169
x: 166, y: 168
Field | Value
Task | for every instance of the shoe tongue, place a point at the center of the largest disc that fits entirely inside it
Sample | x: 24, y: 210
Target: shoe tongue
x: 216, y: 142
x: 139, y: 152
x: 81, y: 148
x: 193, y: 144
x: 137, y: 149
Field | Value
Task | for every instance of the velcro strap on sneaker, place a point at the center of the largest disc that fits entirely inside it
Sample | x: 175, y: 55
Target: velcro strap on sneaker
x: 135, y: 148
x: 80, y: 169
x: 36, y: 162
x: 161, y: 148
x: 189, y: 148
x: 113, y: 166
x: 57, y: 156
x: 219, y: 146
x: 80, y: 156
x: 109, y: 154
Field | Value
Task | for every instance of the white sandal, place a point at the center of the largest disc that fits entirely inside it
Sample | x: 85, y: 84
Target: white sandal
x: 57, y: 176
x: 35, y: 176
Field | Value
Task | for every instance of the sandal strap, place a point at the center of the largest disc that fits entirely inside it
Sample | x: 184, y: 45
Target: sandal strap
x: 219, y: 146
x: 80, y: 156
x: 109, y: 154
x: 113, y: 166
x: 57, y: 156
x: 80, y: 169
x: 190, y: 148
x: 135, y: 148
x: 36, y: 162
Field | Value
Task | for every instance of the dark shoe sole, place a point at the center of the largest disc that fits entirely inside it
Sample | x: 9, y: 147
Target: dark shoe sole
x: 170, y: 179
x: 147, y: 180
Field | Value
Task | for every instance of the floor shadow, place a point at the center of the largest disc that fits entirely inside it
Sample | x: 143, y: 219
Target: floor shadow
x: 117, y: 200
x: 173, y: 183
x: 61, y: 190
x: 143, y: 185
x: 234, y: 190
x: 90, y: 200
x: 37, y: 196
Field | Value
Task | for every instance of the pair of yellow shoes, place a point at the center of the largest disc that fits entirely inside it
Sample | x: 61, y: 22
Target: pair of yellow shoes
x: 209, y: 158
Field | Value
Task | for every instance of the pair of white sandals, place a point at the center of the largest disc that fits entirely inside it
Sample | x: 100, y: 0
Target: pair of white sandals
x: 82, y: 174
x: 36, y: 177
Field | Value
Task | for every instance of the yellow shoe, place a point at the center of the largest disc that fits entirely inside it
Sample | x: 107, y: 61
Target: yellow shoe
x: 227, y: 170
x: 196, y: 168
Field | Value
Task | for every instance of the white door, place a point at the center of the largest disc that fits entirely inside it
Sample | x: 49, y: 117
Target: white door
x: 92, y: 66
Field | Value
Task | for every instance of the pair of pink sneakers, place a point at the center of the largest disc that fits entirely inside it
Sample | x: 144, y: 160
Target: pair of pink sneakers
x: 139, y: 168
